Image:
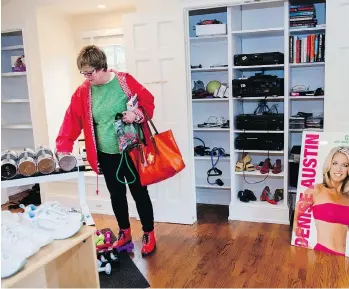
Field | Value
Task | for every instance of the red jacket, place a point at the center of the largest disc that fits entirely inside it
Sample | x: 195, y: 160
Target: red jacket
x: 79, y: 116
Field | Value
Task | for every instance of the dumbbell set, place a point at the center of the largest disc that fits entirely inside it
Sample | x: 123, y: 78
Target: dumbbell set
x: 27, y: 162
x: 107, y: 253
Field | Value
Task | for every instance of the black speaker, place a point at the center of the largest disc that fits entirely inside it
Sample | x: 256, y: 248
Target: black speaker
x: 294, y: 169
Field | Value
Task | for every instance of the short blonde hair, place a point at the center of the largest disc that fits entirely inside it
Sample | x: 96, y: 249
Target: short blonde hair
x: 93, y: 56
x: 327, y: 167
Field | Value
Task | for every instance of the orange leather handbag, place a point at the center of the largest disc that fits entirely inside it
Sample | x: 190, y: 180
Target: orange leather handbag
x: 158, y: 160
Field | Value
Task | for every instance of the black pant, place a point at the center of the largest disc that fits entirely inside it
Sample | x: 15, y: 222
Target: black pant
x: 109, y: 164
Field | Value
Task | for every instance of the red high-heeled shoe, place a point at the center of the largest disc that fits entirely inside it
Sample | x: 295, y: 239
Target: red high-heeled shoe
x: 277, y: 167
x: 265, y: 167
x: 266, y: 196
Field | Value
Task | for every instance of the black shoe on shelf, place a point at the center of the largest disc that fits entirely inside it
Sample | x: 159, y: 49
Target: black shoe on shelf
x: 246, y: 196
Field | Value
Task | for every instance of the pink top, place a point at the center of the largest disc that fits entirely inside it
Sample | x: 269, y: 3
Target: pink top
x: 332, y: 213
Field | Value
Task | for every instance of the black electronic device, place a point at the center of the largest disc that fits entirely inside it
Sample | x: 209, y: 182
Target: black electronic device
x: 267, y: 58
x: 293, y: 173
x: 258, y: 85
x: 260, y: 141
x: 270, y: 121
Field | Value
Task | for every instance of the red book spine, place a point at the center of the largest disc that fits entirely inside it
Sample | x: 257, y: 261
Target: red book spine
x: 298, y: 51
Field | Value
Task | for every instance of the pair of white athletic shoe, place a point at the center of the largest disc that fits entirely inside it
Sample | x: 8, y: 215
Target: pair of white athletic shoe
x: 23, y: 234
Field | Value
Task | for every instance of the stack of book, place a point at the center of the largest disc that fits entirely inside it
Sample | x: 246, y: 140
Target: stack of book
x: 315, y: 122
x: 309, y: 48
x: 303, y: 16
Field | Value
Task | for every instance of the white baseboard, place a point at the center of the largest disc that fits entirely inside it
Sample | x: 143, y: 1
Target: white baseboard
x: 252, y: 213
x: 213, y: 197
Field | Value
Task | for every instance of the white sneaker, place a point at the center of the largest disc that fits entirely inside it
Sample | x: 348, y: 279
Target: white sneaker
x: 7, y: 216
x: 57, y: 224
x: 11, y: 264
x: 55, y: 206
x: 17, y: 243
x: 26, y: 229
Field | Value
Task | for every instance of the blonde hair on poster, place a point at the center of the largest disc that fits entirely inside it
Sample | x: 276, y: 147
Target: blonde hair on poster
x: 327, y: 166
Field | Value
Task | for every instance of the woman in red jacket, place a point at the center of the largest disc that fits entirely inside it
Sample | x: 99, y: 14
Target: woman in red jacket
x: 93, y: 108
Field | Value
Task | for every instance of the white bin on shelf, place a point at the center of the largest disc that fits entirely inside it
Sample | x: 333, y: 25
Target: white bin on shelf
x: 211, y: 29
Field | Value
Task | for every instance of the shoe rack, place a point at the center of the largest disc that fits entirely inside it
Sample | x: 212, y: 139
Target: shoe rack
x: 251, y: 28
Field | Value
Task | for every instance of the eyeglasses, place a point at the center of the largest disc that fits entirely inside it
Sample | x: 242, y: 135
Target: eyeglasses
x: 87, y: 73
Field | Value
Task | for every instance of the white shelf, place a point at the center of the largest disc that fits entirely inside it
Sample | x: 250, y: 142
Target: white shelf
x: 258, y: 174
x: 270, y: 98
x: 209, y: 69
x: 17, y: 126
x: 279, y: 31
x: 213, y: 187
x: 317, y: 29
x: 307, y: 64
x: 212, y: 129
x: 262, y: 152
x: 307, y: 129
x: 211, y: 100
x: 13, y: 74
x: 212, y: 38
x: 260, y: 204
x: 16, y: 100
x: 13, y: 47
x: 258, y: 131
x: 208, y: 158
x: 261, y: 29
x: 295, y: 98
x: 39, y: 179
x: 254, y: 67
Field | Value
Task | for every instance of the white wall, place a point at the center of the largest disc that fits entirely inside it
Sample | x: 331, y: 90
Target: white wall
x: 337, y: 67
x: 57, y: 53
x: 20, y: 14
x: 95, y: 21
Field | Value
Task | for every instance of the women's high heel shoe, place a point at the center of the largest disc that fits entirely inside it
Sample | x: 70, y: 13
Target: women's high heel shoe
x: 241, y: 164
x: 266, y: 196
x: 265, y: 167
x: 277, y: 167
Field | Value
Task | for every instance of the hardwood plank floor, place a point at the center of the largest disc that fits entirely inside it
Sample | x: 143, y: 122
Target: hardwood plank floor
x: 218, y: 253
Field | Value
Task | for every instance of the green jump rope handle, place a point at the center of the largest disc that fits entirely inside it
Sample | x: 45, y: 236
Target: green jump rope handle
x: 128, y: 166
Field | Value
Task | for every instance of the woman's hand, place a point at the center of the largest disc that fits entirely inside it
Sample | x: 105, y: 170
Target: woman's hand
x: 129, y: 117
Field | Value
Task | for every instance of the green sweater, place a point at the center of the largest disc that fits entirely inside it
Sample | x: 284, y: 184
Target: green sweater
x: 107, y: 100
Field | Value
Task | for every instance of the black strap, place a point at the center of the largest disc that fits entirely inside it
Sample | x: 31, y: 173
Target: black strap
x: 148, y: 119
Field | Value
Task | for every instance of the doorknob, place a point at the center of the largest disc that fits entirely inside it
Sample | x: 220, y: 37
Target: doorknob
x: 157, y: 82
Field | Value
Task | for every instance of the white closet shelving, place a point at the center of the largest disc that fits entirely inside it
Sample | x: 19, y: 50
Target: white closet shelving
x: 16, y: 123
x: 251, y: 28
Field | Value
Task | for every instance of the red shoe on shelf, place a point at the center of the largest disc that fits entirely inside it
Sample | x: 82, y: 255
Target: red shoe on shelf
x: 277, y: 167
x: 266, y: 196
x: 149, y: 243
x: 265, y: 167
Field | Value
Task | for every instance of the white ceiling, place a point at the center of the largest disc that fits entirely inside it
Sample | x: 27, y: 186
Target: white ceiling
x: 90, y: 6
x: 83, y: 6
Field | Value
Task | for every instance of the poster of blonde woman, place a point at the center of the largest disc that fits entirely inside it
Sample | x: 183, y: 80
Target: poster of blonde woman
x: 321, y: 220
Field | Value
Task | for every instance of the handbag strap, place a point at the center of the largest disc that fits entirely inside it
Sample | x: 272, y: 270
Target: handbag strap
x: 148, y: 119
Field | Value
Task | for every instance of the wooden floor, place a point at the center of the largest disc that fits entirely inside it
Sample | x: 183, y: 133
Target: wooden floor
x: 218, y: 253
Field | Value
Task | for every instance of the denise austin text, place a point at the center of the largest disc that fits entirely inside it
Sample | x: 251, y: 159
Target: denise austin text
x: 308, y: 174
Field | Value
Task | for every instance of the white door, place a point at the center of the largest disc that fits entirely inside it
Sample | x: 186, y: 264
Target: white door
x: 155, y: 56
x: 337, y: 66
